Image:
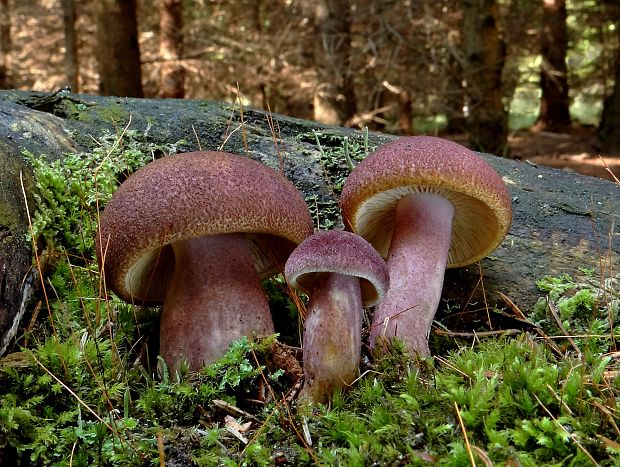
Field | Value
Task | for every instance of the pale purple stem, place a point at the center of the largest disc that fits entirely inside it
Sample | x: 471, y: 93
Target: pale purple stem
x: 215, y: 298
x: 332, y: 336
x: 416, y: 262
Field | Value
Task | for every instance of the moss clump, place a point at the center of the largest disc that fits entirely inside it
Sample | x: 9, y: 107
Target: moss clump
x: 71, y: 190
x: 85, y: 391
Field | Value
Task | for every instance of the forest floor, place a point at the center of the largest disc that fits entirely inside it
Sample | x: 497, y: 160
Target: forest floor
x: 578, y: 151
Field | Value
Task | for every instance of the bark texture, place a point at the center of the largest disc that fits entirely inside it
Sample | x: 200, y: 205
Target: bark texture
x: 71, y: 50
x: 485, y: 55
x: 609, y: 128
x: 172, y: 74
x: 554, y: 103
x: 118, y: 51
x: 6, y: 81
x: 334, y: 98
x: 562, y: 221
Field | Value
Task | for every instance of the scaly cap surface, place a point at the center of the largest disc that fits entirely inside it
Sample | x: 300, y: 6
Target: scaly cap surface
x: 190, y: 195
x: 336, y: 251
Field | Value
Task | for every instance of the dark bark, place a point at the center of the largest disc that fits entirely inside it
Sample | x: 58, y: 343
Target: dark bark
x: 554, y: 102
x: 485, y: 54
x: 172, y: 73
x: 562, y: 221
x: 6, y: 80
x: 118, y: 51
x: 609, y: 127
x: 405, y: 113
x: 71, y: 50
x: 41, y: 133
x: 334, y: 97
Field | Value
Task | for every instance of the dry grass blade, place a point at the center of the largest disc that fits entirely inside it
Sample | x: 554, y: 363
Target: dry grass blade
x: 244, y: 133
x: 608, y: 413
x: 483, y: 456
x: 484, y: 295
x: 291, y: 422
x: 559, y: 399
x: 467, y: 445
x: 275, y: 135
x: 608, y: 169
x: 475, y: 334
x: 451, y: 366
x: 515, y: 309
x: 556, y: 316
x: 160, y: 448
x: 40, y: 269
x: 234, y: 410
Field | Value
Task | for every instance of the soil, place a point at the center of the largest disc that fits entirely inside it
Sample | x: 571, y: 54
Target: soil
x: 577, y: 150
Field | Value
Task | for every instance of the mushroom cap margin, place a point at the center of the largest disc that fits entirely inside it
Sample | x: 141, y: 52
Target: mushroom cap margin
x: 189, y: 195
x: 337, y: 251
x: 482, y: 207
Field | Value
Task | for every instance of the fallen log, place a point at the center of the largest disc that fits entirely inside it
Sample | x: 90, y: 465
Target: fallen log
x: 563, y: 222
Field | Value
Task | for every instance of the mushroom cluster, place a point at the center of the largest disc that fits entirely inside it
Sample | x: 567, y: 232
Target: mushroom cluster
x: 197, y: 232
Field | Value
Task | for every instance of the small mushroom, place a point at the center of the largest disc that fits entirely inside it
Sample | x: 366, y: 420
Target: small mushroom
x: 425, y: 204
x: 197, y: 232
x: 341, y: 273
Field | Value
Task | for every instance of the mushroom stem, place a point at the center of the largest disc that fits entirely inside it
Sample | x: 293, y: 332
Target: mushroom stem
x: 416, y: 263
x: 332, y: 336
x: 215, y: 297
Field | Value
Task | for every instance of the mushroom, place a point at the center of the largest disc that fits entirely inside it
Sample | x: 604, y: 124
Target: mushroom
x: 425, y: 204
x: 197, y: 232
x: 341, y: 272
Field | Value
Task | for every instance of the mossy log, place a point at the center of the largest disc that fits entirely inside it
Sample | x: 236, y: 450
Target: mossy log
x: 563, y: 222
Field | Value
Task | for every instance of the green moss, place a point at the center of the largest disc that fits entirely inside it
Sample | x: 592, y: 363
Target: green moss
x: 517, y: 401
x: 112, y: 113
x: 580, y: 308
x: 72, y: 189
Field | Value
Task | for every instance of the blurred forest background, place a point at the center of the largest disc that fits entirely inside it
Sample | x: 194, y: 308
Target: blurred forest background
x: 529, y: 79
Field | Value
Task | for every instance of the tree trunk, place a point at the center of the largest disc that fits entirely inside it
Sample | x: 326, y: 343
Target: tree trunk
x: 562, y: 222
x: 485, y: 54
x: 118, y: 51
x: 609, y: 128
x: 455, y: 98
x: 6, y: 81
x: 554, y: 103
x: 172, y: 74
x: 334, y: 97
x: 71, y: 51
x: 405, y: 113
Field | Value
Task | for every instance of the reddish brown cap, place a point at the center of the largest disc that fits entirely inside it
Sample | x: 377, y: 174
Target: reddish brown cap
x: 482, y: 208
x: 191, y: 195
x: 335, y: 251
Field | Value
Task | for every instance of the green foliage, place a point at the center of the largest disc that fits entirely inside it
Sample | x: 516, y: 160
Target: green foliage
x: 71, y: 190
x: 584, y: 309
x: 47, y: 418
x: 517, y: 402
